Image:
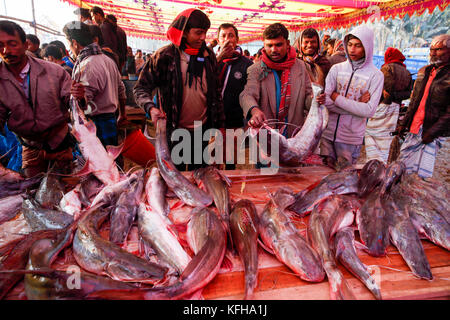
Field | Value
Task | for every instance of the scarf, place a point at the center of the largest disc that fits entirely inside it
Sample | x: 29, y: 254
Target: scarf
x: 196, y: 60
x: 284, y: 66
x: 90, y: 50
x: 393, y: 55
x: 358, y: 63
x: 237, y: 53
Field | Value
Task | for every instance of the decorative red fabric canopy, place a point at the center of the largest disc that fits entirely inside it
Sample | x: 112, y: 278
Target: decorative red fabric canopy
x: 151, y: 18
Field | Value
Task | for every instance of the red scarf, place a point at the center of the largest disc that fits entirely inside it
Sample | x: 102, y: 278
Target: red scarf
x: 237, y: 53
x: 393, y: 55
x: 191, y: 51
x: 284, y: 66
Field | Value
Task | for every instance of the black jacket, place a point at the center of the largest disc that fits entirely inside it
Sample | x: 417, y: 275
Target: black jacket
x: 237, y: 79
x: 437, y: 108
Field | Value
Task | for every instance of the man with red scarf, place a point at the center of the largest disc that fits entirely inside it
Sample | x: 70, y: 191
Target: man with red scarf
x: 278, y: 86
x: 397, y: 87
x: 184, y: 73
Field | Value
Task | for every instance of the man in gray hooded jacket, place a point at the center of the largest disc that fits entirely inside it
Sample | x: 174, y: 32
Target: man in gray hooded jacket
x: 353, y: 89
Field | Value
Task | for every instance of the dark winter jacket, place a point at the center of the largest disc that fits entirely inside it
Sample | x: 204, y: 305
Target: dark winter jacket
x: 437, y: 108
x: 397, y: 82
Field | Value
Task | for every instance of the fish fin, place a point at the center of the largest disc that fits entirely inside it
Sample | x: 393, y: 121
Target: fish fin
x: 178, y: 204
x: 265, y: 247
x: 227, y: 263
x: 360, y: 246
x: 83, y: 171
x: 224, y: 178
x: 114, y: 151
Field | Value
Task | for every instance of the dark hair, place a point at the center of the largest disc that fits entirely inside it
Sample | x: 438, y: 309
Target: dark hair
x: 198, y: 19
x: 246, y: 52
x: 83, y: 12
x: 98, y: 10
x: 350, y: 37
x: 226, y: 26
x: 331, y: 42
x: 138, y: 50
x: 52, y: 51
x: 96, y: 32
x: 111, y: 17
x: 78, y: 31
x: 60, y: 45
x: 310, y: 33
x: 11, y: 28
x: 33, y: 39
x: 275, y: 30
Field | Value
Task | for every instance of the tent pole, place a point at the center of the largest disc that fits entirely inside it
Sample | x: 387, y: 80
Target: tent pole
x: 34, y: 17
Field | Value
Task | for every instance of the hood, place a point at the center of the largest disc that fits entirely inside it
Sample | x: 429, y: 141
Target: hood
x: 366, y: 36
x: 298, y: 43
x: 176, y: 28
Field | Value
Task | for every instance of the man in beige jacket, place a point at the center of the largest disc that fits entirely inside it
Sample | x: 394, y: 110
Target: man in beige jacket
x: 278, y: 86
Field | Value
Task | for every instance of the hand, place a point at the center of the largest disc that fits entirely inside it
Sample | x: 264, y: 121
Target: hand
x: 156, y: 114
x: 386, y: 95
x: 365, y: 97
x: 334, y: 96
x: 77, y: 90
x: 426, y: 139
x: 321, y: 98
x: 225, y: 52
x: 257, y: 119
x: 401, y: 132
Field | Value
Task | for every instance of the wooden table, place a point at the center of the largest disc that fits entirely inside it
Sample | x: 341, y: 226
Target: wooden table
x: 277, y: 282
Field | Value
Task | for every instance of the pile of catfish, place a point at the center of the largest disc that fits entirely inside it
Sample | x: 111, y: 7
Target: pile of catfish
x: 113, y: 236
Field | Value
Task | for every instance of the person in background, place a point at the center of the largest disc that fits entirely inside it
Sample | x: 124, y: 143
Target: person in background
x: 232, y: 75
x: 330, y: 46
x: 338, y: 53
x: 33, y: 43
x: 247, y: 53
x: 84, y: 15
x: 353, y: 90
x: 213, y: 44
x: 121, y: 41
x: 109, y: 32
x: 278, y: 68
x: 427, y: 121
x: 96, y: 83
x: 258, y: 55
x: 53, y: 54
x: 34, y: 101
x: 97, y: 37
x: 308, y: 45
x: 139, y: 60
x: 184, y: 73
x: 130, y: 65
x: 66, y: 58
x: 325, y: 38
x: 397, y: 87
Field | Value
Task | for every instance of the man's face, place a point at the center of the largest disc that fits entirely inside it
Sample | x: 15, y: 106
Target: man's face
x: 195, y: 37
x: 74, y: 47
x: 12, y: 49
x: 228, y: 35
x: 32, y: 46
x: 276, y: 48
x: 329, y: 49
x: 139, y: 54
x: 97, y: 18
x: 439, y: 53
x: 355, y: 49
x: 310, y: 46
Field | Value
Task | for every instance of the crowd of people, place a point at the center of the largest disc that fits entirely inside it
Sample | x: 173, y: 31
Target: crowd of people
x: 189, y: 83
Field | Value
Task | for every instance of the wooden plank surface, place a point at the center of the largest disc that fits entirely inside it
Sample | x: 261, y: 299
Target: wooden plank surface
x: 277, y: 282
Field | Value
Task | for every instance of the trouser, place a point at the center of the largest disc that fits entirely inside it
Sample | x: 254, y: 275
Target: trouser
x: 336, y: 150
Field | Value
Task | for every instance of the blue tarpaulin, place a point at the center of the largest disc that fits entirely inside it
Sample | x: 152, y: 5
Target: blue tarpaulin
x: 11, y: 148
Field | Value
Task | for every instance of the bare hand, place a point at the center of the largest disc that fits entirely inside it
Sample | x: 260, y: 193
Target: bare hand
x: 257, y: 119
x: 77, y: 90
x: 321, y: 98
x: 334, y: 96
x: 365, y: 97
x: 386, y: 95
x: 225, y: 52
x: 156, y: 114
